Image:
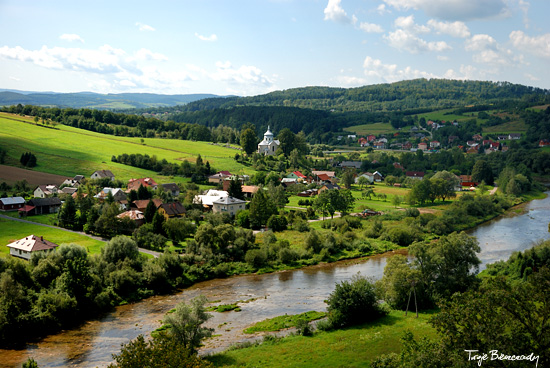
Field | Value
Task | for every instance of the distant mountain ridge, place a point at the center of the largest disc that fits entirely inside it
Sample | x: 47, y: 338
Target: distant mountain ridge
x: 96, y: 100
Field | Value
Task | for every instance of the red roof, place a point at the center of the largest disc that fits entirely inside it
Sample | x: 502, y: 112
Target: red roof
x: 299, y: 174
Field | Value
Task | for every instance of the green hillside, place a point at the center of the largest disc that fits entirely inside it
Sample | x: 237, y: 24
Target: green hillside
x: 69, y: 151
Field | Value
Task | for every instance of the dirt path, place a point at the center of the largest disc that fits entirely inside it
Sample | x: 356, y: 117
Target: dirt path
x: 142, y: 250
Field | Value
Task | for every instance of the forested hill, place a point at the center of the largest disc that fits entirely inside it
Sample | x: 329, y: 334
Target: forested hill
x: 96, y: 100
x: 413, y: 94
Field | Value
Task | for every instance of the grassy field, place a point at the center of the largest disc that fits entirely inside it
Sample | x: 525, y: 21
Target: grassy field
x: 376, y: 128
x: 69, y: 151
x: 11, y: 231
x: 506, y: 128
x: 351, y: 347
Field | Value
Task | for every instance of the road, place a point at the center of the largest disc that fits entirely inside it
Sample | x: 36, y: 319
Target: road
x: 142, y: 250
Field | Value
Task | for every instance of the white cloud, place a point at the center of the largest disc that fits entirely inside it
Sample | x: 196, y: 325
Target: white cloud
x: 335, y: 12
x: 408, y: 24
x: 403, y: 40
x: 71, y: 37
x: 244, y: 80
x: 539, y: 46
x: 210, y: 38
x: 371, y: 28
x: 381, y: 9
x: 144, y: 27
x: 455, y: 29
x: 144, y: 54
x: 377, y: 71
x: 348, y: 81
x: 487, y: 51
x: 454, y: 9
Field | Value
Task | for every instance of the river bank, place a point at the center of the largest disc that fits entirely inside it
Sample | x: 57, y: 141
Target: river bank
x: 290, y: 292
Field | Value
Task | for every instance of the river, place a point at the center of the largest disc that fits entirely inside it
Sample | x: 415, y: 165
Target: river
x: 269, y: 295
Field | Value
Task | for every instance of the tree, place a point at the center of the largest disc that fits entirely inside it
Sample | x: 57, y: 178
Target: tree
x: 158, y: 224
x: 249, y: 141
x: 286, y: 138
x: 362, y: 181
x: 347, y: 178
x: 482, y: 172
x: 277, y: 194
x: 119, y: 249
x: 261, y: 208
x: 448, y: 265
x: 185, y: 323
x: 159, y: 352
x: 177, y: 229
x: 67, y: 214
x: 353, y: 302
x: 235, y: 189
x: 150, y: 211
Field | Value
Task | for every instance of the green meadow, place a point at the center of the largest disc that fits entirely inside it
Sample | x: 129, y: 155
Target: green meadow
x: 68, y: 151
x: 376, y: 128
x: 11, y: 230
x: 350, y: 347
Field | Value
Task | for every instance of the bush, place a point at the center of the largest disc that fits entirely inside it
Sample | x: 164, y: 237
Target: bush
x: 303, y: 327
x: 412, y: 212
x: 256, y: 257
x: 353, y: 302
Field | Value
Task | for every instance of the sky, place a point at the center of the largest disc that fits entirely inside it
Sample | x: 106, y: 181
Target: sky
x: 252, y: 47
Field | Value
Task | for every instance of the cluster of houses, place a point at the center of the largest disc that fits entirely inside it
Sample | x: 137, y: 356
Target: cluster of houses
x: 426, y: 144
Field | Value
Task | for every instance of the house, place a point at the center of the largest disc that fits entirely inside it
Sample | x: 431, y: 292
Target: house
x: 230, y: 205
x: 434, y: 144
x: 135, y: 215
x: 207, y: 199
x: 286, y: 181
x: 472, y: 150
x: 377, y: 176
x: 477, y: 137
x: 70, y: 183
x: 41, y: 206
x: 472, y: 144
x: 544, y: 143
x: 371, y: 138
x: 423, y: 146
x: 141, y: 204
x: 328, y: 186
x: 297, y: 175
x: 102, y: 174
x: 352, y: 136
x: 466, y: 181
x: 398, y: 166
x: 171, y: 188
x: 331, y: 174
x: 134, y: 184
x: 368, y: 175
x: 379, y: 145
x: 249, y: 190
x: 407, y: 146
x: 308, y: 193
x: 416, y: 175
x: 219, y: 177
x: 514, y: 136
x: 323, y: 178
x: 24, y: 248
x: 43, y: 191
x: 351, y: 164
x: 69, y: 190
x: 171, y: 210
x: 363, y: 142
x: 268, y: 146
x: 117, y: 193
x: 11, y: 203
x: 502, y: 137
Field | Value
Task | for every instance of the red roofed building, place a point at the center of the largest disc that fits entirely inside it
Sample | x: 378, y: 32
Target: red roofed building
x: 24, y: 248
x: 134, y: 184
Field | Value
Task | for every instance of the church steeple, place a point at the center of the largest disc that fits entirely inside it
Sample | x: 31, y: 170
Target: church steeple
x: 268, y: 136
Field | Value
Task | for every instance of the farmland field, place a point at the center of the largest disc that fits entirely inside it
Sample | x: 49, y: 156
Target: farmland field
x: 376, y: 128
x: 11, y: 174
x: 506, y: 128
x: 70, y: 151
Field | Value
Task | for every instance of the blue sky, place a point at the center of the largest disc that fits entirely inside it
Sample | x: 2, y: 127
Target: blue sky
x: 257, y: 46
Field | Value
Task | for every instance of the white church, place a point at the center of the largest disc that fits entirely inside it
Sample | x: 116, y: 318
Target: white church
x: 268, y: 146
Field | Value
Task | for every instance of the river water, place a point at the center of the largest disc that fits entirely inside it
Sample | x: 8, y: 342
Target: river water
x: 269, y: 295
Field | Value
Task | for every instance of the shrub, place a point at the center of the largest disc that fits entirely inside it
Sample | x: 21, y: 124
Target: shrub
x: 256, y: 257
x: 353, y: 302
x: 303, y: 327
x: 412, y: 212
